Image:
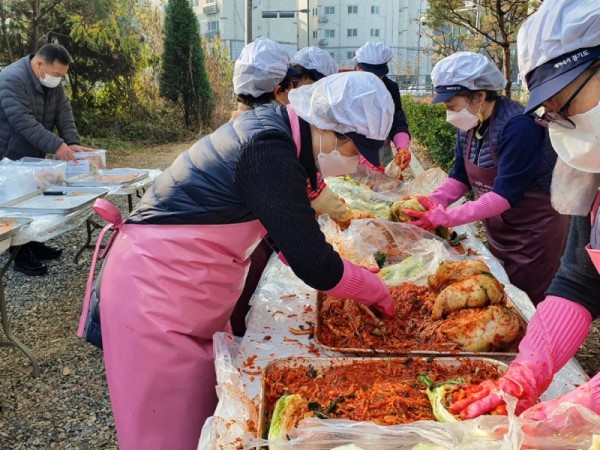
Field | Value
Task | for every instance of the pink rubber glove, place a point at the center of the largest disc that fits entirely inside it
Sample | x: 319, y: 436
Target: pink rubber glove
x: 402, y: 142
x: 450, y: 191
x: 360, y: 284
x: 555, y: 333
x: 486, y: 206
x: 587, y: 395
x: 363, y: 162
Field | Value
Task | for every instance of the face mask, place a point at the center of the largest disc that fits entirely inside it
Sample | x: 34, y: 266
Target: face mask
x: 335, y: 164
x: 579, y: 148
x: 50, y: 82
x: 463, y: 119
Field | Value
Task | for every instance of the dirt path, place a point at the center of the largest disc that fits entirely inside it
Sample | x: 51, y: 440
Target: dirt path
x: 158, y: 157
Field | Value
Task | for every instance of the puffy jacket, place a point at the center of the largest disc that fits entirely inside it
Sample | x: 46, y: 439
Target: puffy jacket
x: 29, y: 113
x: 199, y: 188
x: 506, y: 109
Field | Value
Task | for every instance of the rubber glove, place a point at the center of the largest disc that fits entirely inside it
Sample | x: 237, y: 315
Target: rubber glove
x: 555, y: 333
x: 587, y: 395
x: 363, y: 162
x: 360, y: 284
x: 402, y: 142
x: 488, y: 205
x: 329, y: 203
x: 450, y: 191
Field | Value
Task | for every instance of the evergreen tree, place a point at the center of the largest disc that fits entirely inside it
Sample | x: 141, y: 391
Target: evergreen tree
x: 183, y: 78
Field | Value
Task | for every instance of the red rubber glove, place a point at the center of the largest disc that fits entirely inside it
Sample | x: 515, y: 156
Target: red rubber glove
x: 360, y: 284
x: 555, y: 333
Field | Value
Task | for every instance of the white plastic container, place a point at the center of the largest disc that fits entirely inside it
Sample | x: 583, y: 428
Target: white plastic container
x: 87, y: 161
x: 46, y: 172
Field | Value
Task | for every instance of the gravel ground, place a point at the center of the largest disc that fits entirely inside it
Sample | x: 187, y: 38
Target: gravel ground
x: 67, y: 407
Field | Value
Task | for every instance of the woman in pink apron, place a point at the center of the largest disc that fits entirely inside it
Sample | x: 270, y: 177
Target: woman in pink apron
x: 559, y: 56
x: 178, y: 263
x: 507, y: 160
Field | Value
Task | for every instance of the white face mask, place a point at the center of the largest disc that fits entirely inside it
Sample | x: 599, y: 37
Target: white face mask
x: 50, y: 82
x: 463, y: 119
x: 579, y: 148
x: 334, y: 164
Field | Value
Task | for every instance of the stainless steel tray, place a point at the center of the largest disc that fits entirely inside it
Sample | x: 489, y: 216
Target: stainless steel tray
x: 370, y: 351
x: 10, y: 225
x: 69, y: 199
x: 429, y: 364
x: 109, y: 177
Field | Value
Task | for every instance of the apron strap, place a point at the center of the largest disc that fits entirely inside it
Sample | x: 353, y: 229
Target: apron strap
x: 295, y: 124
x: 111, y: 213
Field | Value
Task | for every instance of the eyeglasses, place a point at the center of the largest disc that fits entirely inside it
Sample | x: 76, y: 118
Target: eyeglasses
x: 560, y: 117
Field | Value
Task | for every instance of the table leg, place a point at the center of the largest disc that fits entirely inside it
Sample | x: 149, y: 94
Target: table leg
x: 90, y: 226
x: 13, y: 341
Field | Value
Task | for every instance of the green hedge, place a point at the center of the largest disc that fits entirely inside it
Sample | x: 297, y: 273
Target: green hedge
x: 428, y: 125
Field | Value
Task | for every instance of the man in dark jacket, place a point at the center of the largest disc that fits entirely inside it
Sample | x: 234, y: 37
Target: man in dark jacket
x: 32, y: 104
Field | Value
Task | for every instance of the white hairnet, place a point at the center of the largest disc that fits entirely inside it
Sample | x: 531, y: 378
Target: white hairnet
x: 261, y: 66
x: 346, y: 102
x: 470, y: 70
x: 374, y: 53
x: 564, y: 37
x: 315, y: 58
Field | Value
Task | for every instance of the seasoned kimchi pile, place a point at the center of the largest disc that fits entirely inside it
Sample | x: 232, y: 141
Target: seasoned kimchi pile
x: 464, y: 308
x: 384, y: 391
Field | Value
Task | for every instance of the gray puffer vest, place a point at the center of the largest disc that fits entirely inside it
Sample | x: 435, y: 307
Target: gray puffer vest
x: 504, y: 110
x: 199, y: 188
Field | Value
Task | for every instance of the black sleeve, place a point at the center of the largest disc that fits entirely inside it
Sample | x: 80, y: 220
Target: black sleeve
x: 577, y: 279
x: 272, y: 182
x: 399, y: 124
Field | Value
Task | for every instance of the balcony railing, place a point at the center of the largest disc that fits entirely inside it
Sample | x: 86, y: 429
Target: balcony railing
x: 212, y: 34
x: 210, y: 9
x: 323, y: 42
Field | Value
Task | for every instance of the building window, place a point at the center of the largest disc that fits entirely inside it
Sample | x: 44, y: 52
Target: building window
x: 329, y: 33
x: 374, y: 32
x: 352, y: 32
x: 194, y: 3
x: 315, y: 34
x: 353, y: 9
x: 210, y: 1
x: 375, y: 9
x: 315, y: 12
x: 213, y: 26
x: 349, y: 55
x: 329, y: 10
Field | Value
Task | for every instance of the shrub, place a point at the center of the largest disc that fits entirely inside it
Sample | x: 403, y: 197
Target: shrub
x: 427, y: 124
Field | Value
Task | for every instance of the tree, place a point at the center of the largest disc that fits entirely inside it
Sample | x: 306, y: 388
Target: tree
x: 490, y: 26
x: 183, y: 78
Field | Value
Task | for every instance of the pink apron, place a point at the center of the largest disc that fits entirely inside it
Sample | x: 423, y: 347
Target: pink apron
x: 529, y: 238
x: 166, y: 289
x: 593, y: 248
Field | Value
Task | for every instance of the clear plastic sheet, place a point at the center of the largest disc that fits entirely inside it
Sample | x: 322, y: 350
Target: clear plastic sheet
x: 412, y: 254
x: 15, y: 180
x: 282, y: 301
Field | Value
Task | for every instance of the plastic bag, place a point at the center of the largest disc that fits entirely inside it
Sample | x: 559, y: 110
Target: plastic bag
x: 411, y: 253
x: 46, y: 172
x: 15, y: 181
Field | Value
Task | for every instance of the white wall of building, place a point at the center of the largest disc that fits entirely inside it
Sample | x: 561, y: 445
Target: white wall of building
x: 338, y: 26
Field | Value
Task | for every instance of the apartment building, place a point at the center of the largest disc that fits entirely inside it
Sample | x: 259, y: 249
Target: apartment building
x: 338, y: 26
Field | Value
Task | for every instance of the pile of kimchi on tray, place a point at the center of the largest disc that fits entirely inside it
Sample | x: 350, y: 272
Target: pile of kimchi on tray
x: 387, y: 391
x: 463, y: 311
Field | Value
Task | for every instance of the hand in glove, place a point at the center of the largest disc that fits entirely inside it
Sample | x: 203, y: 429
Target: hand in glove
x: 450, y: 191
x: 329, y: 203
x: 360, y: 284
x: 403, y: 156
x: 587, y: 395
x: 556, y: 331
x: 488, y: 205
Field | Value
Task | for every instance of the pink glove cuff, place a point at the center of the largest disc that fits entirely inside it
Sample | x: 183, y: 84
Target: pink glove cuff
x: 350, y: 284
x: 555, y: 333
x: 401, y: 140
x: 488, y: 205
x: 450, y: 191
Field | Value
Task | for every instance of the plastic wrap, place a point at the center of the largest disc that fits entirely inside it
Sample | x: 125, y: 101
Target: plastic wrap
x: 15, y: 181
x: 412, y: 254
x: 46, y: 172
x: 282, y: 302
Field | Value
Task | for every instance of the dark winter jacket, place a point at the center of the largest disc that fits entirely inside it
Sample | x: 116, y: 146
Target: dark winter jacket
x: 29, y: 113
